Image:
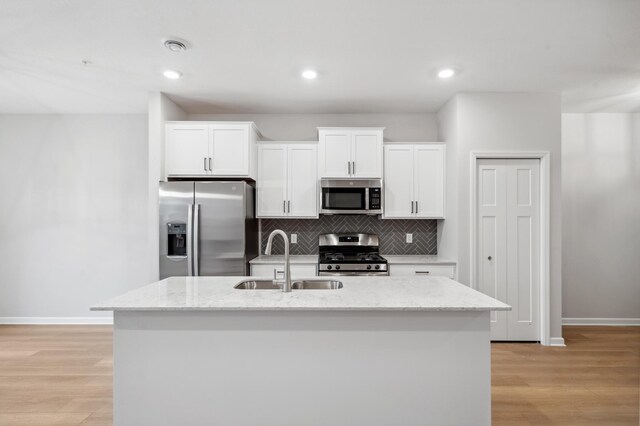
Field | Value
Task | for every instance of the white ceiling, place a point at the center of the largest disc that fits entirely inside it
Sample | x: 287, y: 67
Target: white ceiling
x: 372, y: 55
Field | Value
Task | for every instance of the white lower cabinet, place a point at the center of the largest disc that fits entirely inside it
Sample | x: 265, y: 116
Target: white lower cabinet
x: 297, y: 270
x: 405, y: 270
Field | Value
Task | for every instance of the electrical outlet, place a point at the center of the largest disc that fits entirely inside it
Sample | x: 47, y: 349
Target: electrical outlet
x: 294, y: 238
x: 409, y: 238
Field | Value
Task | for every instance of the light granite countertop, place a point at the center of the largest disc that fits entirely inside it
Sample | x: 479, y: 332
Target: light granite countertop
x: 393, y: 259
x: 396, y: 259
x: 359, y: 293
x: 311, y: 259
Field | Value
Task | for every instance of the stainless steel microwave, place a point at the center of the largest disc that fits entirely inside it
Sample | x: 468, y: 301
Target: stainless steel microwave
x: 351, y: 196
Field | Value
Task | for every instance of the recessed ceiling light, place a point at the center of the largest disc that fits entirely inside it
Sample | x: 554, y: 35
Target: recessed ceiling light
x: 446, y: 73
x: 175, y: 45
x: 172, y: 74
x: 309, y: 74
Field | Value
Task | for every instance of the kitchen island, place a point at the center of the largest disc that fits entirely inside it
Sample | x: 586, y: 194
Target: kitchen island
x: 379, y: 351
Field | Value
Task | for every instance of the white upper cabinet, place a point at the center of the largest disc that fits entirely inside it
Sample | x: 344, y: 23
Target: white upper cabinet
x: 187, y: 149
x: 287, y: 184
x: 220, y: 149
x: 414, y: 180
x: 272, y: 180
x: 350, y: 152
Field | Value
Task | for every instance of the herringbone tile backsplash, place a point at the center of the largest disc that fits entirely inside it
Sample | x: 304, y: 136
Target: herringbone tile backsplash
x: 392, y: 233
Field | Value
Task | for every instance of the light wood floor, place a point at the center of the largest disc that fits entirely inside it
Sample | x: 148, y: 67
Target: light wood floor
x: 61, y: 375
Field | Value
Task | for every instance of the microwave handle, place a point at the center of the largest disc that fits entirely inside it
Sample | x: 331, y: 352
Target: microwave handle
x: 366, y: 198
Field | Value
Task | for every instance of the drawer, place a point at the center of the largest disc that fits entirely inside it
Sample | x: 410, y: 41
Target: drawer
x: 448, y: 271
x: 297, y: 271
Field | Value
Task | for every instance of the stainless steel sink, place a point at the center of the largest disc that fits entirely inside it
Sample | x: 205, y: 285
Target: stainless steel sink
x: 296, y: 285
x: 316, y: 285
x: 259, y: 285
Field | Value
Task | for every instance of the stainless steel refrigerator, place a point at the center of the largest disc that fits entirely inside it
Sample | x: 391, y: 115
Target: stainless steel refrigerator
x: 207, y: 228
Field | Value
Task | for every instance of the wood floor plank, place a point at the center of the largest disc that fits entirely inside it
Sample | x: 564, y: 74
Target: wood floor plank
x: 62, y: 375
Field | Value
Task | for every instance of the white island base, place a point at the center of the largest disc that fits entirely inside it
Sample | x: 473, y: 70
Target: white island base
x: 307, y: 367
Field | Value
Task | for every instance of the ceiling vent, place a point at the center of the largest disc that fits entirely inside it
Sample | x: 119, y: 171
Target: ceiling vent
x: 175, y: 45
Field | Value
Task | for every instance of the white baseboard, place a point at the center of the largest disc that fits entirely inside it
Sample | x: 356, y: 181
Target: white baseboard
x: 58, y: 320
x: 601, y: 321
x: 556, y: 341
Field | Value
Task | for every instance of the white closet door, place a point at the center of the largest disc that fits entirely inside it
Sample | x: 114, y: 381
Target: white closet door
x: 492, y: 238
x: 523, y: 248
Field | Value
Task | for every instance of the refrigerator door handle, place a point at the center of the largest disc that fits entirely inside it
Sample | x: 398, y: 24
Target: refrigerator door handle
x: 196, y: 240
x: 190, y: 240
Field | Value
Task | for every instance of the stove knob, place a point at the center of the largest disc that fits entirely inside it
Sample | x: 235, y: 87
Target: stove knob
x: 377, y: 266
x: 329, y: 267
x: 337, y: 267
x: 368, y: 266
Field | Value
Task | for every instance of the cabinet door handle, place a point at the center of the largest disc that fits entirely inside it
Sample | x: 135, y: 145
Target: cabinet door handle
x: 205, y: 164
x: 416, y: 207
x: 489, y: 258
x: 349, y: 164
x: 284, y: 206
x: 210, y: 169
x: 422, y: 272
x: 354, y: 168
x: 288, y: 206
x: 412, y: 207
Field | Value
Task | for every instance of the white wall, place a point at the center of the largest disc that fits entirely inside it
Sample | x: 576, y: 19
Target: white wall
x: 601, y: 217
x: 291, y: 127
x: 161, y: 109
x: 504, y: 122
x: 73, y: 214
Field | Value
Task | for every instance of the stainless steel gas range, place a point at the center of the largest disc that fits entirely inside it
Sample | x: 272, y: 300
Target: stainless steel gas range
x: 350, y: 254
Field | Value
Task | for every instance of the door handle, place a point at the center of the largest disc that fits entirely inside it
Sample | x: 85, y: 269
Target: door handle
x: 412, y: 207
x: 210, y: 169
x: 349, y: 164
x: 205, y: 164
x: 354, y: 168
x: 288, y: 206
x: 190, y: 240
x: 422, y: 272
x: 284, y: 206
x: 489, y: 257
x: 196, y: 240
x: 416, y: 207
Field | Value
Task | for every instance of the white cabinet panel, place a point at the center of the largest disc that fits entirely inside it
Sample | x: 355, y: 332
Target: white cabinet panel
x: 297, y: 271
x: 230, y: 150
x: 335, y: 153
x: 287, y: 180
x: 272, y: 180
x: 405, y: 270
x: 350, y: 152
x: 429, y: 181
x: 217, y: 149
x: 398, y: 181
x: 187, y: 149
x: 366, y: 154
x: 414, y: 180
x: 302, y: 181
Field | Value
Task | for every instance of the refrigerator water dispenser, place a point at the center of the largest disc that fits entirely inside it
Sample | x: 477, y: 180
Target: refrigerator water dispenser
x: 177, y: 239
